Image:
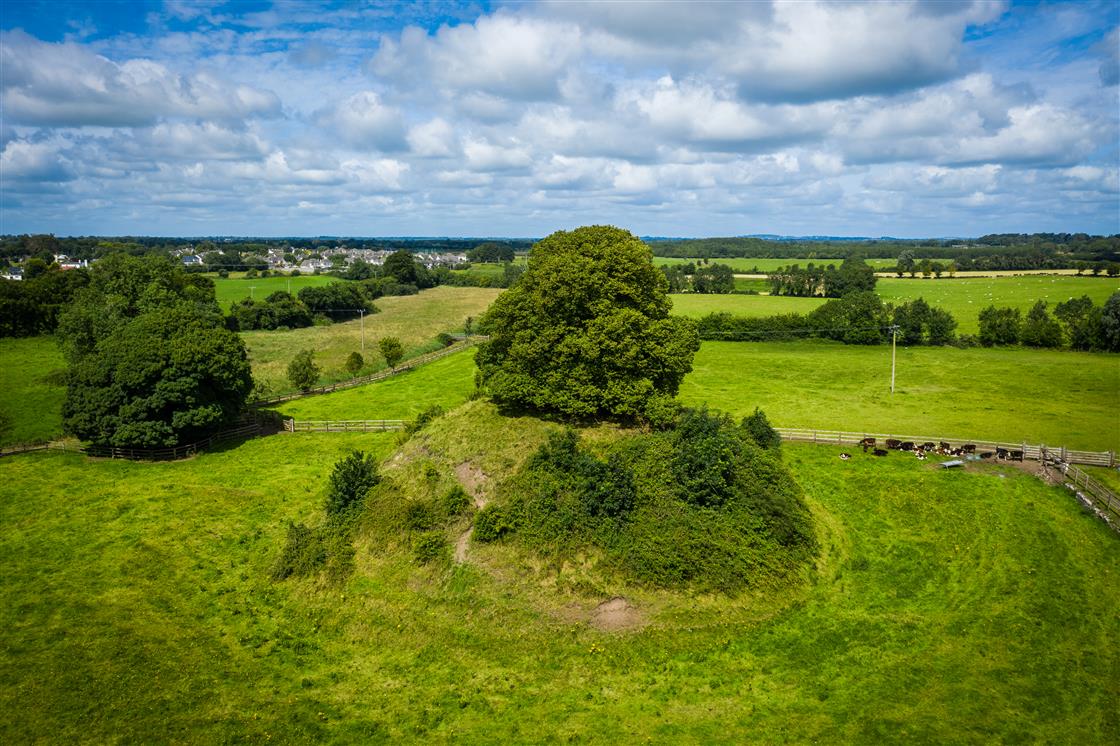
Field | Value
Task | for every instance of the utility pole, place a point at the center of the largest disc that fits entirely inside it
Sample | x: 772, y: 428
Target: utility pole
x: 362, y: 316
x: 894, y: 341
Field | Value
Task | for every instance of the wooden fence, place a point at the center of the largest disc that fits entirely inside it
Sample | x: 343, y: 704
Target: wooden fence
x: 341, y: 426
x: 380, y: 375
x: 1094, y: 495
x: 241, y: 432
x: 1030, y: 451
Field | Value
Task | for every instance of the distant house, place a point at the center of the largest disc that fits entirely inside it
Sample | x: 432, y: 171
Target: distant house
x: 73, y: 264
x: 12, y: 273
x: 192, y: 260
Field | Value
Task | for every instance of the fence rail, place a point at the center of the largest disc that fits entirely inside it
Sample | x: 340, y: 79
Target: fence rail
x: 240, y: 432
x: 341, y: 426
x: 362, y: 380
x: 1095, y: 496
x: 1033, y: 452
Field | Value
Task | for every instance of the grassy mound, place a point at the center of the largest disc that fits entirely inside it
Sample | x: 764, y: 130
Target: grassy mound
x: 700, y: 507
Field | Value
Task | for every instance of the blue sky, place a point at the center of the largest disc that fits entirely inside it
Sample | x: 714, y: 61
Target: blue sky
x: 472, y: 119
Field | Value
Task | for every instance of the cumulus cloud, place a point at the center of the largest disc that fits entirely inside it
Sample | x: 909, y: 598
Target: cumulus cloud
x: 67, y: 85
x: 435, y: 138
x: 500, y: 55
x: 24, y: 161
x: 365, y: 121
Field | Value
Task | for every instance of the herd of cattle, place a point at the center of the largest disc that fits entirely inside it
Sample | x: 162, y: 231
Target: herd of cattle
x: 942, y: 449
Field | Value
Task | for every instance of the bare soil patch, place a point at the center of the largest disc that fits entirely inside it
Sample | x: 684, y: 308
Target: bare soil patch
x: 462, y: 544
x: 615, y: 615
x: 475, y: 481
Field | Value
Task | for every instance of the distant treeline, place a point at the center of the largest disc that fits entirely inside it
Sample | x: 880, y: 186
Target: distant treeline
x: 45, y: 246
x: 862, y: 318
x: 1004, y: 251
x: 32, y: 306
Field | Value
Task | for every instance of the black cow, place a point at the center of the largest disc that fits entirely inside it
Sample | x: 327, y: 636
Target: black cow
x: 928, y: 447
x: 1002, y: 453
x: 1016, y: 455
x: 968, y: 448
x: 986, y: 454
x: 880, y: 452
x: 907, y: 446
x: 893, y: 444
x: 867, y: 443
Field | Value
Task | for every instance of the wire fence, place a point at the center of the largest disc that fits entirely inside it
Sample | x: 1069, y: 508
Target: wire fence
x: 341, y: 426
x: 241, y: 432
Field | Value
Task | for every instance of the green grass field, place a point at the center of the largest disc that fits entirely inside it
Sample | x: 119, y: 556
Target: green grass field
x: 975, y: 606
x: 31, y: 375
x: 747, y: 265
x: 446, y: 382
x: 966, y: 297
x: 235, y: 287
x: 1038, y: 396
x: 414, y: 319
x: 696, y: 305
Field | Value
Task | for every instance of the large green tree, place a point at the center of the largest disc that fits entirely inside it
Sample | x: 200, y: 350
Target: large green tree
x: 168, y: 376
x: 586, y: 331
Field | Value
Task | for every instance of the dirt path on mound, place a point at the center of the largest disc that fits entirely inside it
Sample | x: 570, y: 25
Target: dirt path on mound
x: 475, y: 481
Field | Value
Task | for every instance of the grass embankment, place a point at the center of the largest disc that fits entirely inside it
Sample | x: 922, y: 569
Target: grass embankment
x: 950, y: 606
x: 1037, y: 396
x: 235, y: 287
x: 414, y: 319
x: 964, y: 298
x: 31, y: 376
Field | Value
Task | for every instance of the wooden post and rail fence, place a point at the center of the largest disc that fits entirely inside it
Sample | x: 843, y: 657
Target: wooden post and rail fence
x: 1094, y: 495
x: 378, y: 376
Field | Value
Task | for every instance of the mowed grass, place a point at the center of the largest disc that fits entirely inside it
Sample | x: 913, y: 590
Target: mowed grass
x: 31, y: 376
x: 696, y: 305
x: 949, y: 606
x: 748, y: 265
x: 966, y: 297
x: 446, y: 382
x: 1019, y: 395
x: 414, y: 319
x: 235, y: 287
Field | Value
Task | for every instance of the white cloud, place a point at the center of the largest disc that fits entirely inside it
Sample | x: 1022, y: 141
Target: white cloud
x: 67, y: 85
x: 28, y: 162
x: 364, y: 121
x: 434, y: 138
x: 501, y: 55
x: 486, y: 156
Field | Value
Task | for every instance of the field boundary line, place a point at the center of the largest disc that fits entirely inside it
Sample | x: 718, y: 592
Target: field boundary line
x: 1095, y: 496
x: 379, y: 376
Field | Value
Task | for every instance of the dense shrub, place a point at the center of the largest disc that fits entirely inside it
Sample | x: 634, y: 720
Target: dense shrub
x: 455, y: 501
x: 422, y: 420
x: 351, y: 479
x: 491, y: 523
x: 391, y: 349
x: 304, y: 553
x: 354, y: 363
x: 1040, y: 329
x: 430, y: 546
x: 757, y: 427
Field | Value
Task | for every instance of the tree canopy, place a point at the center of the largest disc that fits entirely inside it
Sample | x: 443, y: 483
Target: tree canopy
x: 586, y: 331
x: 150, y: 364
x: 166, y: 377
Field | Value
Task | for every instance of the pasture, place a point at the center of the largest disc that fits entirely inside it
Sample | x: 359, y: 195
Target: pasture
x: 973, y: 605
x: 414, y: 319
x: 32, y: 378
x: 1056, y: 397
x: 235, y: 287
x: 749, y: 265
x: 447, y: 382
x: 966, y: 297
